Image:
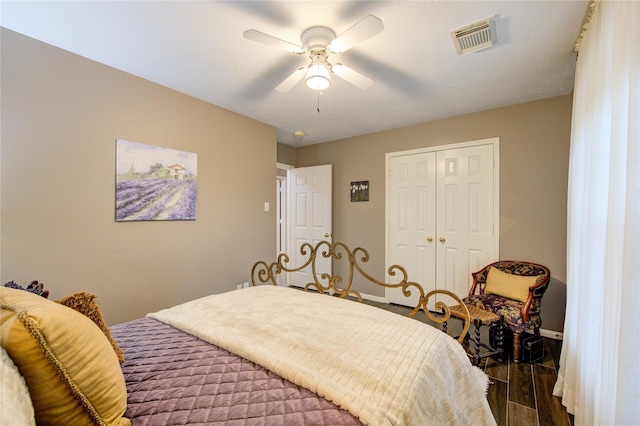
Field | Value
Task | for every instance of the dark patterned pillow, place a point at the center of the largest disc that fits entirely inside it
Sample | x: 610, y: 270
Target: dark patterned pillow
x: 34, y: 287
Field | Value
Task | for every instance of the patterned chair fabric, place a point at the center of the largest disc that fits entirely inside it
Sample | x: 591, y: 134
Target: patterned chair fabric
x: 519, y: 316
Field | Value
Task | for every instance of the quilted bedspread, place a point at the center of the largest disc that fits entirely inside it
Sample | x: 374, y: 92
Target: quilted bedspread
x: 174, y: 378
x: 383, y: 368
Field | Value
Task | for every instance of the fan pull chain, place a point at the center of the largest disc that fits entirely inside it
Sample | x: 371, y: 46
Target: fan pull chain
x: 318, y: 105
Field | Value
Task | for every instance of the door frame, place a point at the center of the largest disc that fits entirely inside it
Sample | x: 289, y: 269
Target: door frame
x: 282, y: 216
x: 495, y: 142
x: 282, y: 208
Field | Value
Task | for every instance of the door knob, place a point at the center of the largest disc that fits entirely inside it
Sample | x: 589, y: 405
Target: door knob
x: 327, y: 235
x: 430, y: 238
x: 442, y: 239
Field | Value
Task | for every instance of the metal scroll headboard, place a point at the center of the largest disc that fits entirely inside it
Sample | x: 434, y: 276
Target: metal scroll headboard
x: 264, y: 273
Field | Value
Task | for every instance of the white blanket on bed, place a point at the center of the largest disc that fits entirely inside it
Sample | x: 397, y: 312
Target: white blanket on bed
x: 384, y: 368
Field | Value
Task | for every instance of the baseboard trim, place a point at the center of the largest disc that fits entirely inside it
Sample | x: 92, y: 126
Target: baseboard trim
x: 558, y: 335
x: 379, y: 299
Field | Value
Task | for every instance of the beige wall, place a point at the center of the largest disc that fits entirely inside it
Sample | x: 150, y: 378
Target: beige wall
x: 61, y: 115
x: 286, y: 154
x: 534, y: 156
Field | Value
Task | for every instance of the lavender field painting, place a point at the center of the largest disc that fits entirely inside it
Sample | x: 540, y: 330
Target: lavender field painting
x: 155, y: 183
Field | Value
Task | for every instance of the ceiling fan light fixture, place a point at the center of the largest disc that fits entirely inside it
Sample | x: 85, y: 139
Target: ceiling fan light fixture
x: 318, y: 77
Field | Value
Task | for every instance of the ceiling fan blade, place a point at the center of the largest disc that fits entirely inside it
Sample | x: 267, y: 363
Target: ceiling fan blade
x: 353, y: 77
x: 261, y: 37
x: 292, y: 80
x: 360, y: 31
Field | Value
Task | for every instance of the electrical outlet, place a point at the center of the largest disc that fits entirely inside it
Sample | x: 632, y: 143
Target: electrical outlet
x: 239, y: 287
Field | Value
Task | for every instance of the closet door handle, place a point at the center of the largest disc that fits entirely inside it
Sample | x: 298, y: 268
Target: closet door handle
x: 430, y: 238
x: 442, y: 239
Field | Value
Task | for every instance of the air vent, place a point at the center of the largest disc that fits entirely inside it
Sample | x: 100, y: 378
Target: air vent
x: 476, y: 36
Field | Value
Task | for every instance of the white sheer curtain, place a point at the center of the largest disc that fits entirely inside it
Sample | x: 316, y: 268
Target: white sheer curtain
x: 599, y: 376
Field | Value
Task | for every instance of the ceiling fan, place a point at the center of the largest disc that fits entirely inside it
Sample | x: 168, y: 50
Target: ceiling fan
x: 318, y: 43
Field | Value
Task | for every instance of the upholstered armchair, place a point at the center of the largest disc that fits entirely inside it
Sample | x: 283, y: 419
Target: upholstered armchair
x: 514, y: 290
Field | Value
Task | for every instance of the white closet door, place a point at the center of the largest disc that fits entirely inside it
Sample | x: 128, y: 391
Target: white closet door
x: 412, y: 220
x: 465, y: 209
x: 442, y: 213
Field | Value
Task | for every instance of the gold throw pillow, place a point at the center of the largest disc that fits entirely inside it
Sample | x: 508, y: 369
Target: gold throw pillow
x: 70, y: 368
x: 86, y: 305
x: 509, y: 285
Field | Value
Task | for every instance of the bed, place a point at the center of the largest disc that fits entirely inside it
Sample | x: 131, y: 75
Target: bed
x: 261, y: 355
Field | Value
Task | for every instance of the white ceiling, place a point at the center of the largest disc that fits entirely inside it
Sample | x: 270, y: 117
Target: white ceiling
x: 198, y: 48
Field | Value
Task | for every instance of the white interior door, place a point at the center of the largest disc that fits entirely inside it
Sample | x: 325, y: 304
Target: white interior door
x: 310, y: 220
x: 467, y: 238
x: 442, y: 215
x: 412, y: 220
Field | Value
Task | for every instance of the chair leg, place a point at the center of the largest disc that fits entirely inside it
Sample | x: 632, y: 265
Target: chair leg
x: 477, y: 323
x: 516, y: 347
x: 501, y: 326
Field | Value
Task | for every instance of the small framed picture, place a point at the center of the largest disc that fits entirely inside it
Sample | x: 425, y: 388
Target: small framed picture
x: 360, y: 191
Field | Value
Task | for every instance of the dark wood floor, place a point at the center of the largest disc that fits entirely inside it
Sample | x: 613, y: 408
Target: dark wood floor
x: 519, y: 393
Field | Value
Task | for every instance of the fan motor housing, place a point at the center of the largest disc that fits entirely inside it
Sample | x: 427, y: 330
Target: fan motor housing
x: 317, y: 38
